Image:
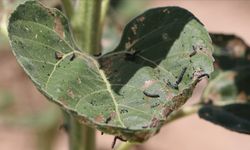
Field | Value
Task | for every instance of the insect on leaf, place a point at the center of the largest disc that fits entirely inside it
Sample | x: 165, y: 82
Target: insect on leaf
x: 109, y: 93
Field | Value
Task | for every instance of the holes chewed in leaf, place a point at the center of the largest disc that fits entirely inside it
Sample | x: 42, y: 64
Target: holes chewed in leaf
x: 113, y: 84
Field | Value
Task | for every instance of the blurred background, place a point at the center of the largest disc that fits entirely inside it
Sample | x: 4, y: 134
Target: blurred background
x: 29, y: 122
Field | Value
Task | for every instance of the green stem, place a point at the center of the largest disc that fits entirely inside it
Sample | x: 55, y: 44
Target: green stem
x: 104, y: 10
x: 76, y: 135
x: 87, y: 22
x: 68, y: 8
x: 126, y: 146
x: 92, y: 32
x: 3, y: 20
x: 81, y: 137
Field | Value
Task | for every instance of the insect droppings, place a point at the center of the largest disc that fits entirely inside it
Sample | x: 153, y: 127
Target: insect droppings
x: 151, y: 95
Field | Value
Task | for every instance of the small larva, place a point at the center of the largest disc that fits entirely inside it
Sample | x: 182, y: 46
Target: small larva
x: 181, y: 75
x: 151, y: 95
x: 179, y: 79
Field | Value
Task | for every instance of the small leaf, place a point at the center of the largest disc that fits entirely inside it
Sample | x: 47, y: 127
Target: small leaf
x: 234, y: 117
x: 128, y: 92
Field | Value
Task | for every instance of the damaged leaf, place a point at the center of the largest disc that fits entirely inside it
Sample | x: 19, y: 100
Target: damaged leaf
x: 230, y: 81
x: 229, y: 85
x: 128, y: 92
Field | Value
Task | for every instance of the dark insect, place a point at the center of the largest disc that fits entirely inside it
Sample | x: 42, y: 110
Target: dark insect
x: 151, y: 95
x: 146, y: 126
x: 181, y: 75
x: 131, y: 55
x: 114, y: 141
x: 203, y: 75
x: 179, y: 79
x: 123, y: 111
x: 92, y: 103
x: 58, y: 55
x: 108, y: 120
x: 174, y: 86
x: 192, y: 54
x: 72, y: 57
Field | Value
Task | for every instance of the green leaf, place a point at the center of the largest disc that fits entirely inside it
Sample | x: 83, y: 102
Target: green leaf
x: 230, y: 81
x: 234, y: 117
x: 128, y: 92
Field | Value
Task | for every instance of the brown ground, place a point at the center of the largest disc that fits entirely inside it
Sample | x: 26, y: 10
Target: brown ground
x: 190, y: 133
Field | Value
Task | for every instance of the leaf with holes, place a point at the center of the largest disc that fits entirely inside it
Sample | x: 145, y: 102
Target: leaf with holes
x: 128, y: 92
x: 229, y: 85
x: 230, y: 80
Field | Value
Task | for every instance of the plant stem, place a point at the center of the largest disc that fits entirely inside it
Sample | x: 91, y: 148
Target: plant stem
x: 126, y: 146
x: 68, y: 8
x: 87, y: 23
x: 77, y: 140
